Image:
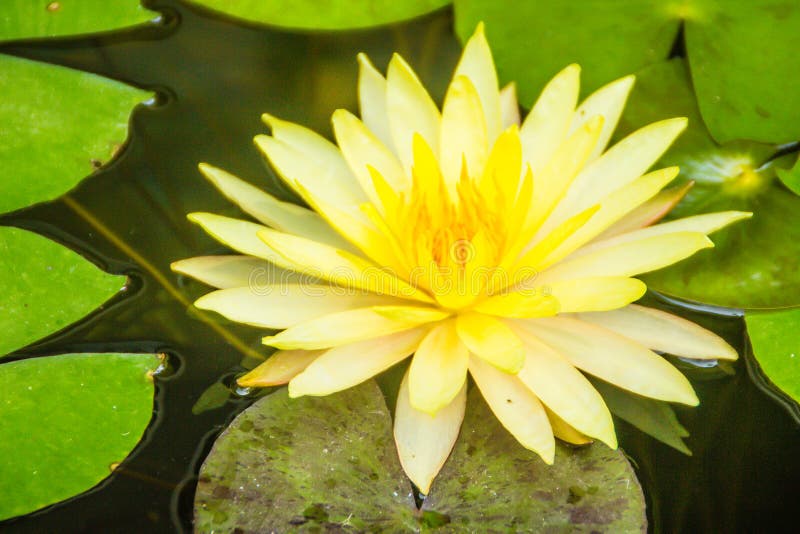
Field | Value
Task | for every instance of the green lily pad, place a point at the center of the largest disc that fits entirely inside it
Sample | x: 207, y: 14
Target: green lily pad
x: 59, y: 125
x: 67, y: 421
x: 46, y: 287
x: 329, y: 463
x: 776, y: 346
x: 23, y: 19
x: 744, y: 68
x: 791, y: 177
x: 328, y: 15
x: 756, y: 263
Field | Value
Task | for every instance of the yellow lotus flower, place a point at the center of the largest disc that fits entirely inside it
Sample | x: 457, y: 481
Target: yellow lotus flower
x: 475, y: 243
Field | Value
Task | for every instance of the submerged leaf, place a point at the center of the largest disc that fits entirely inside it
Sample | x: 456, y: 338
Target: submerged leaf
x: 776, y: 346
x: 329, y: 15
x: 329, y: 463
x: 68, y: 421
x: 59, y: 125
x: 46, y: 287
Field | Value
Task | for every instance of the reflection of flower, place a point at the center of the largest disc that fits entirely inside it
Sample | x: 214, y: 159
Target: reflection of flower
x: 473, y: 242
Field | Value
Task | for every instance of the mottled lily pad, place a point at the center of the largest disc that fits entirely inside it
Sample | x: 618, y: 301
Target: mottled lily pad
x: 46, y: 287
x: 745, y: 70
x: 329, y: 463
x: 756, y: 263
x: 67, y: 421
x: 328, y: 15
x: 59, y: 125
x: 776, y: 345
x: 25, y: 19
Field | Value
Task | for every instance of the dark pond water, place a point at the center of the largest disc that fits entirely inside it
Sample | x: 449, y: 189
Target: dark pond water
x: 214, y: 78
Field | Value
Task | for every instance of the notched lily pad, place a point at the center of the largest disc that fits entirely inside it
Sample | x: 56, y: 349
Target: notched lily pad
x: 776, y: 345
x: 329, y: 463
x: 67, y: 422
x: 46, y: 287
x: 328, y: 15
x: 59, y: 125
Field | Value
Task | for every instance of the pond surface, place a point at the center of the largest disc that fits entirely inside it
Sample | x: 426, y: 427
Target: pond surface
x: 214, y: 78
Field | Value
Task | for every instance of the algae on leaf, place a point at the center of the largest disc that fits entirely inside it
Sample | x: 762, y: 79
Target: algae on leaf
x: 329, y: 463
x: 328, y: 15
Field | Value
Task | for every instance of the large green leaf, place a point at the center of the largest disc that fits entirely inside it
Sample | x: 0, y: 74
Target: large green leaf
x: 328, y: 15
x: 755, y: 263
x: 776, y: 346
x: 45, y: 287
x: 59, y: 124
x: 744, y: 66
x: 23, y: 19
x: 67, y: 421
x: 329, y: 463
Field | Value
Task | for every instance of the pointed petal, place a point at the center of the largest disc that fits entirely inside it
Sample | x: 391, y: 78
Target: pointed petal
x: 285, y: 305
x: 648, y: 213
x: 491, y: 340
x: 548, y: 123
x: 349, y: 326
x: 225, y: 272
x: 524, y: 303
x: 563, y: 389
x: 596, y: 294
x: 463, y: 135
x: 630, y: 258
x: 349, y: 365
x: 509, y: 106
x: 614, y: 358
x: 410, y: 109
x: 269, y: 210
x: 241, y: 236
x: 423, y: 441
x: 608, y: 102
x: 564, y: 431
x: 516, y: 407
x: 339, y: 266
x: 477, y: 64
x: 438, y: 369
x: 279, y: 368
x: 372, y: 100
x: 663, y: 332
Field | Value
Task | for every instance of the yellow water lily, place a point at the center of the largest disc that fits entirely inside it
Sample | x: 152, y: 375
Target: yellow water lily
x: 476, y: 242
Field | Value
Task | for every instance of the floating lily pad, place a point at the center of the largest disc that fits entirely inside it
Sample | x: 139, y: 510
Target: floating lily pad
x: 329, y: 463
x: 46, y: 287
x: 756, y: 263
x: 744, y: 67
x: 59, y: 125
x: 791, y: 177
x: 68, y: 420
x: 328, y: 15
x: 776, y: 346
x: 24, y: 19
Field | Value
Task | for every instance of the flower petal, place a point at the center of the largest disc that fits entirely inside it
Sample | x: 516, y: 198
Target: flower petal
x: 285, y: 305
x: 225, y: 272
x: 241, y: 236
x: 410, y: 110
x: 463, y: 136
x: 525, y: 303
x: 564, y: 431
x: 563, y: 389
x: 630, y: 258
x: 351, y: 326
x: 516, y: 407
x: 269, y: 210
x: 608, y: 102
x: 279, y: 368
x: 664, y: 332
x: 613, y: 358
x: 477, y: 64
x: 372, y: 100
x: 491, y: 340
x: 438, y: 369
x: 509, y: 106
x: 423, y: 441
x: 339, y: 266
x: 596, y: 294
x: 348, y: 365
x: 548, y: 123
